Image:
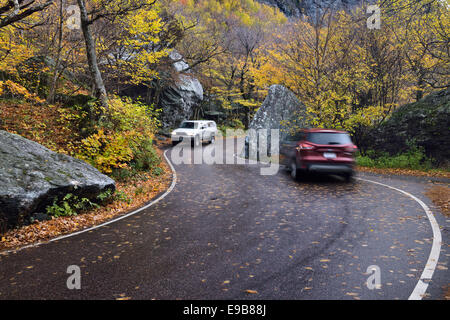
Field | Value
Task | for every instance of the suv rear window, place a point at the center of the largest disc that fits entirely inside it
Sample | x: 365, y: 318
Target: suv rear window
x: 328, y: 138
x: 296, y: 136
x: 189, y: 125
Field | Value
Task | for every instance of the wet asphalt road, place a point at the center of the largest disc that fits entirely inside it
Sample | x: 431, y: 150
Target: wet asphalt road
x: 226, y: 229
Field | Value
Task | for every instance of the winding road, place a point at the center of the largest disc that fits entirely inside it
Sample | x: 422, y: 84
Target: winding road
x: 227, y: 232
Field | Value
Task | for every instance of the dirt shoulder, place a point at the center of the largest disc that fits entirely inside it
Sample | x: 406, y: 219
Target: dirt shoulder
x: 440, y: 195
x: 407, y: 172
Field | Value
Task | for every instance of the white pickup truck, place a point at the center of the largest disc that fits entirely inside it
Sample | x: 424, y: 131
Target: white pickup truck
x: 195, y: 131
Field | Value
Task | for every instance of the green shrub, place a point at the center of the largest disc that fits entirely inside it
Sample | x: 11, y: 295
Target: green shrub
x: 157, y: 171
x: 145, y: 156
x: 70, y: 205
x: 123, y: 138
x: 122, y: 196
x: 106, y: 196
x: 139, y: 190
x: 414, y: 158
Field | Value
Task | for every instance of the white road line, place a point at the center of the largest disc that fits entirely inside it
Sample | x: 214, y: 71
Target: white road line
x: 172, y: 186
x: 421, y: 286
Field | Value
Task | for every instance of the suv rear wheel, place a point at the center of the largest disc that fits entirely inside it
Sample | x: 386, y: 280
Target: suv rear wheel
x: 348, y: 177
x: 294, y: 170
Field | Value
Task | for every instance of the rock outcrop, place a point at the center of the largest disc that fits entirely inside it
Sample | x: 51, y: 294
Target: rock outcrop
x: 178, y: 100
x: 298, y: 8
x: 280, y: 110
x: 424, y: 123
x: 32, y: 176
x: 177, y: 92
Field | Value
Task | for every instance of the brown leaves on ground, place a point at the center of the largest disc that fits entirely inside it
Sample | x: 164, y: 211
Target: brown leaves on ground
x: 42, y: 123
x: 440, y: 195
x: 251, y: 291
x: 407, y: 172
x: 148, y: 187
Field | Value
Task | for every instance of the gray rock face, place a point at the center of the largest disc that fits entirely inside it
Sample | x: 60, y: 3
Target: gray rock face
x: 424, y: 123
x: 298, y: 8
x: 32, y: 176
x: 280, y: 110
x: 177, y: 101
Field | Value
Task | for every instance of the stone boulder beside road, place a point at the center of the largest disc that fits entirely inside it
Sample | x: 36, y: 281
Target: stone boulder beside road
x: 32, y: 176
x: 280, y: 110
x: 178, y: 100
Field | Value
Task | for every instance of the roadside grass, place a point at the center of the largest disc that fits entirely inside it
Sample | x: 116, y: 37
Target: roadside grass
x: 414, y: 159
x: 414, y: 162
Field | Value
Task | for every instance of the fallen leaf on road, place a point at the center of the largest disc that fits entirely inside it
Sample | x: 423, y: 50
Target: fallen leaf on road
x: 251, y: 291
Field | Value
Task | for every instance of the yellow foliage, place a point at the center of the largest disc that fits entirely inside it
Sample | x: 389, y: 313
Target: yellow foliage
x: 130, y: 125
x: 16, y: 90
x: 108, y: 151
x: 14, y: 49
x: 140, y: 34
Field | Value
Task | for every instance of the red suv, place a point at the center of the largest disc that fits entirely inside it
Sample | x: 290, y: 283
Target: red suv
x: 319, y: 151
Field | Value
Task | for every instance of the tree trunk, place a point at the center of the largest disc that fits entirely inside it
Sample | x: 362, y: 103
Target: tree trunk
x: 51, y: 95
x: 100, y: 91
x: 419, y: 91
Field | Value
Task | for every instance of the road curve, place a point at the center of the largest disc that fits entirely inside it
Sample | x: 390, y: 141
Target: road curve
x: 226, y: 229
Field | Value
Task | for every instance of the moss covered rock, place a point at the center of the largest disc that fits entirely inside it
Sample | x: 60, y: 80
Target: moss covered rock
x: 425, y: 123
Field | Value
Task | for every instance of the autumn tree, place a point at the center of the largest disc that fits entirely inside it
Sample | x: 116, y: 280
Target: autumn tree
x: 348, y: 77
x: 422, y: 30
x: 13, y: 11
x: 222, y: 48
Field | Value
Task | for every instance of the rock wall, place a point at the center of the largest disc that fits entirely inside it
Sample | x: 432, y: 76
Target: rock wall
x: 298, y: 8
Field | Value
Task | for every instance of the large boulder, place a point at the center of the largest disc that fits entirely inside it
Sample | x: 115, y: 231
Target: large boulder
x: 424, y: 123
x: 280, y: 110
x: 178, y: 100
x: 32, y: 176
x: 176, y: 92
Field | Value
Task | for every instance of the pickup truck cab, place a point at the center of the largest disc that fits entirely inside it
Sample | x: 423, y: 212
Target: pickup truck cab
x: 195, y: 131
x: 318, y: 151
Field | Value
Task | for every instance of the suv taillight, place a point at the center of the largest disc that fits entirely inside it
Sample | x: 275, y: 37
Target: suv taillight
x: 351, y: 149
x: 304, y: 146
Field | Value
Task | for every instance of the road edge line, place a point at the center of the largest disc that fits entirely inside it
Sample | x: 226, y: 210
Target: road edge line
x: 427, y: 274
x: 154, y: 201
